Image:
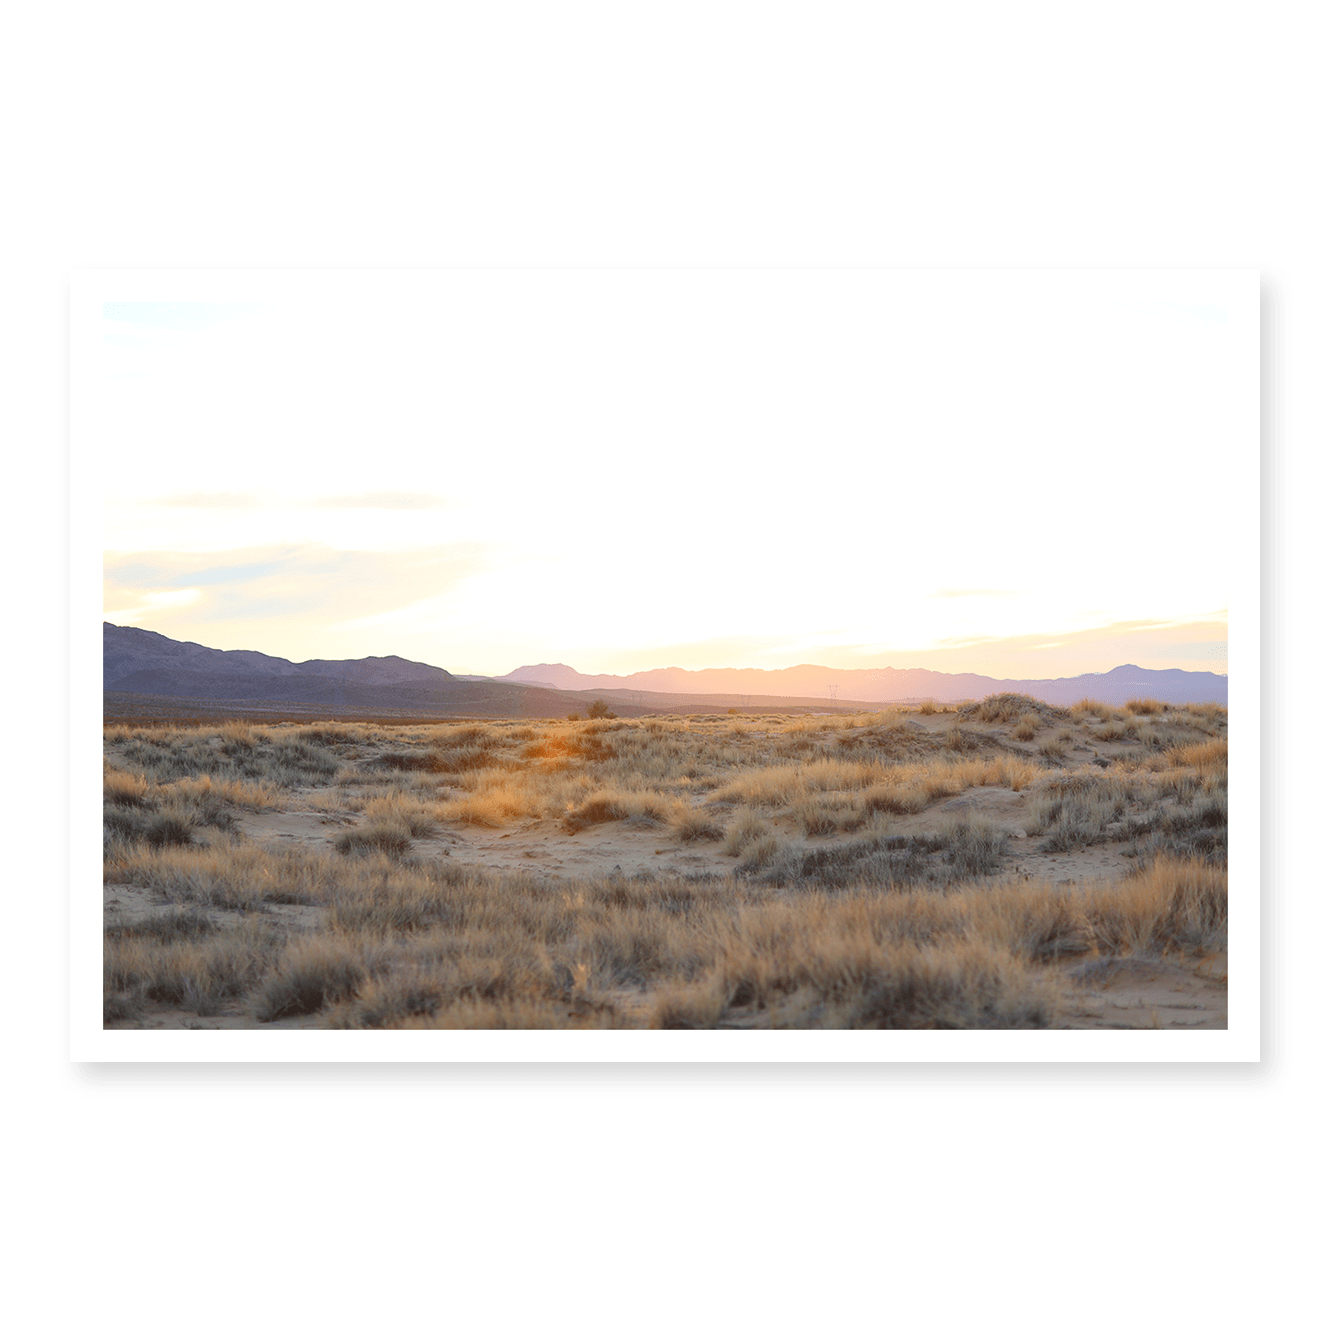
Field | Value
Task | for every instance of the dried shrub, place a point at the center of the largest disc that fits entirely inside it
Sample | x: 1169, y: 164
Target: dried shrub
x: 694, y: 825
x: 377, y: 838
x: 1027, y: 727
x: 313, y: 973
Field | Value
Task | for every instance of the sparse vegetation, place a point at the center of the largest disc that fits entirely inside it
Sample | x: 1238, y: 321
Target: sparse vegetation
x: 1027, y: 727
x: 892, y: 869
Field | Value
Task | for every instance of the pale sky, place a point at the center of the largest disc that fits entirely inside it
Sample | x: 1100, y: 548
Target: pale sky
x: 1023, y: 474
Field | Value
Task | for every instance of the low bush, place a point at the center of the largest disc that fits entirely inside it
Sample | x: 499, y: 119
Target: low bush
x: 134, y: 825
x: 312, y: 974
x: 374, y: 839
x: 694, y: 825
x: 1027, y: 727
x: 974, y: 848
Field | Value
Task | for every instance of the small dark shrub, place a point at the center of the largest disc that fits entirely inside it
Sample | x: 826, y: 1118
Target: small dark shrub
x: 695, y: 826
x: 168, y: 829
x: 961, y: 740
x: 975, y: 849
x: 373, y: 840
x: 882, y: 861
x: 173, y: 926
x: 307, y: 984
x: 412, y: 762
x: 122, y: 824
x: 133, y: 824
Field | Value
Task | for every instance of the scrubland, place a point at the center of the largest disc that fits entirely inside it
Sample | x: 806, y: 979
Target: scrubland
x: 998, y: 864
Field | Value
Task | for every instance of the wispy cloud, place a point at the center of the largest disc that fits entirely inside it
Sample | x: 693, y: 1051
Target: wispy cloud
x: 130, y: 610
x: 309, y: 589
x: 176, y: 570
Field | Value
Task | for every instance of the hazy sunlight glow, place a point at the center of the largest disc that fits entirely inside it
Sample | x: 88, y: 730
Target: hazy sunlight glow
x: 624, y: 469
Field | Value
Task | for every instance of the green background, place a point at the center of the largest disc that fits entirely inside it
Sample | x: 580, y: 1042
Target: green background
x: 829, y: 132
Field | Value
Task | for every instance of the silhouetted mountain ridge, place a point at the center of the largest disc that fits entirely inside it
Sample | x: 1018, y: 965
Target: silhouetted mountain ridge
x: 136, y: 661
x: 130, y: 652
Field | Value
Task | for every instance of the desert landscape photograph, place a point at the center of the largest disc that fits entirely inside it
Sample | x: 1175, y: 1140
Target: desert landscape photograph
x: 885, y: 629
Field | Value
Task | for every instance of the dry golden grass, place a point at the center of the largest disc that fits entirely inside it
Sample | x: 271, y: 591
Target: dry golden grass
x: 839, y: 911
x: 1209, y: 757
x: 1027, y: 727
x: 1144, y: 706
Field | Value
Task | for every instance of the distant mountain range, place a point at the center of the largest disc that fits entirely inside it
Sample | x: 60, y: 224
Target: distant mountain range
x: 134, y: 656
x: 887, y: 684
x: 145, y: 673
x: 139, y: 666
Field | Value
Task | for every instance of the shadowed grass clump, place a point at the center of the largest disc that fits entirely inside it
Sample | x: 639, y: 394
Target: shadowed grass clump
x: 974, y: 848
x: 1173, y: 904
x: 961, y: 739
x: 965, y: 849
x: 135, y: 811
x: 827, y: 814
x: 169, y: 926
x: 228, y: 875
x: 1073, y: 811
x: 431, y: 762
x: 312, y: 973
x: 132, y: 825
x: 185, y: 961
x: 616, y: 805
x: 1198, y: 830
x: 747, y: 826
x: 377, y: 838
x: 285, y: 758
x: 694, y: 825
x: 847, y: 963
x: 880, y: 862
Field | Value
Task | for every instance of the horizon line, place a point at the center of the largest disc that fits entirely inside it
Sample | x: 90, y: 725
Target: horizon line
x: 683, y: 669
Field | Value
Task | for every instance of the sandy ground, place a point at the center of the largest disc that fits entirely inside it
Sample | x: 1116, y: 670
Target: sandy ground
x: 1159, y: 993
x: 1130, y: 993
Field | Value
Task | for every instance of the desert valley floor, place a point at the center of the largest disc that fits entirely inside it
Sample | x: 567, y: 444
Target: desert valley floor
x: 999, y: 864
